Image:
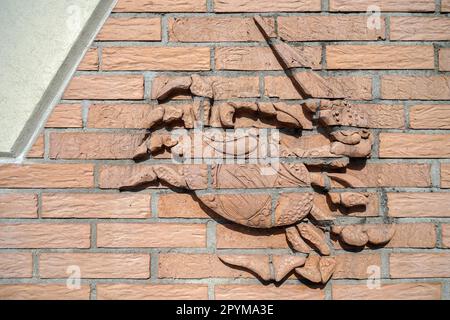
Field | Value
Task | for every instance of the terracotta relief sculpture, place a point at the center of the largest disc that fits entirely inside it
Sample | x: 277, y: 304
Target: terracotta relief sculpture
x: 306, y: 225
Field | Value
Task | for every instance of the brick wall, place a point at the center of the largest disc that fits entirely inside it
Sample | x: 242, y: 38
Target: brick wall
x: 156, y: 243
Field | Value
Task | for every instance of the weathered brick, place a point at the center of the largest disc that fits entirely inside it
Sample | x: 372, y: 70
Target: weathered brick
x: 160, y: 6
x: 90, y: 60
x: 43, y: 292
x: 155, y: 58
x: 433, y: 116
x: 223, y: 87
x: 391, y: 175
x: 95, y: 265
x: 130, y: 291
x: 445, y: 175
x: 44, y: 235
x: 260, y: 58
x: 420, y: 28
x: 444, y: 59
x: 404, y: 145
x: 151, y: 235
x: 180, y: 206
x: 419, y: 265
x: 94, y: 145
x: 419, y: 204
x: 446, y: 235
x: 18, y: 205
x: 187, y: 266
x: 379, y: 57
x: 266, y: 6
x: 132, y: 116
x: 313, y: 146
x: 131, y: 29
x: 384, y: 5
x: 271, y: 292
x: 95, y: 205
x: 388, y: 291
x: 328, y: 28
x: 415, y: 87
x: 445, y: 6
x: 99, y: 87
x: 212, y: 29
x: 236, y: 236
x: 117, y: 176
x: 47, y: 176
x: 16, y: 265
x: 65, y: 116
x: 37, y: 150
x: 355, y: 266
x: 358, y: 88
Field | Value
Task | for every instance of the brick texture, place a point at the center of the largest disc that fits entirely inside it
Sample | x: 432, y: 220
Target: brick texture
x: 90, y: 61
x: 66, y: 116
x: 419, y: 265
x: 160, y: 6
x: 400, y: 291
x: 16, y: 265
x: 259, y: 292
x: 404, y: 145
x: 445, y: 175
x: 420, y: 28
x: 419, y: 204
x: 43, y: 292
x: 429, y: 117
x: 17, y: 205
x: 151, y: 292
x: 384, y: 5
x: 131, y: 29
x: 266, y: 6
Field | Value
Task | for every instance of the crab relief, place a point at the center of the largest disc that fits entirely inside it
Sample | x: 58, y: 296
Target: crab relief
x: 303, y: 169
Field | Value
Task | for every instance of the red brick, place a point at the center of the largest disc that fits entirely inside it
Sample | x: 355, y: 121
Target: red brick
x: 95, y: 205
x: 130, y: 291
x: 37, y: 150
x: 131, y: 29
x: 99, y: 87
x: 95, y: 265
x: 405, y: 145
x: 419, y: 265
x: 380, y: 57
x: 47, y: 176
x: 44, y: 235
x: 236, y: 236
x: 180, y: 206
x: 445, y: 175
x: 355, y: 266
x: 420, y: 28
x: 387, y: 291
x: 43, y: 292
x: 415, y: 87
x: 90, y: 60
x: 16, y: 265
x: 266, y: 6
x: 419, y: 204
x: 444, y: 59
x: 328, y: 28
x: 434, y: 116
x: 446, y: 235
x: 155, y: 58
x: 151, y: 235
x: 271, y: 292
x: 18, y: 205
x: 160, y: 6
x: 384, y: 5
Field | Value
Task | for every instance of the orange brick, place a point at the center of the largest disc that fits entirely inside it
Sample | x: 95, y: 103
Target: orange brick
x: 160, y: 6
x: 328, y: 28
x: 260, y: 58
x: 44, y: 235
x: 420, y: 28
x: 434, y: 116
x: 212, y: 29
x: 155, y: 58
x: 445, y: 175
x: 419, y: 265
x: 95, y: 205
x: 65, y: 116
x: 355, y: 266
x: 47, y: 176
x: 18, y: 205
x: 380, y: 57
x: 131, y: 29
x: 236, y: 236
x: 384, y: 5
x: 444, y: 59
x: 406, y: 145
x: 445, y: 6
x: 419, y: 204
x: 446, y: 235
x: 127, y: 291
x: 180, y: 206
x: 90, y: 60
x: 89, y: 145
x: 133, y: 116
x: 359, y: 88
x: 266, y: 6
x: 16, y: 265
x: 99, y: 87
x: 156, y: 235
x: 270, y: 292
x: 95, y: 265
x: 43, y: 292
x: 398, y: 291
x: 37, y: 150
x: 190, y: 266
x: 415, y: 87
x: 324, y: 203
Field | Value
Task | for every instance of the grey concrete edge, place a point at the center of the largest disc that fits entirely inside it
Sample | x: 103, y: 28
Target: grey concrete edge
x: 55, y: 90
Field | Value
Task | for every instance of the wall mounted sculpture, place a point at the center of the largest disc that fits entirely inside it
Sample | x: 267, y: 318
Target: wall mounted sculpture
x: 307, y: 227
